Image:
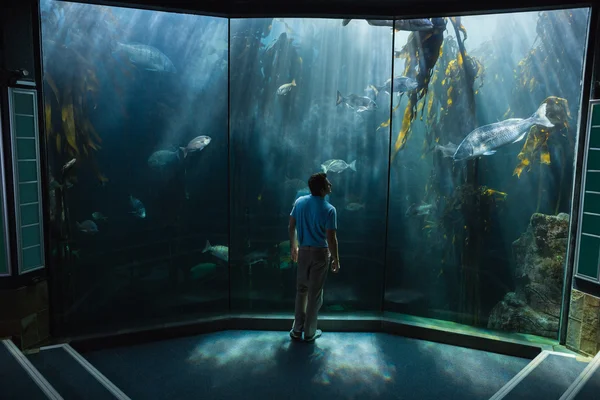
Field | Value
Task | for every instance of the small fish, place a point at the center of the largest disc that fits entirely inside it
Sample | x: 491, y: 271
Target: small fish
x: 402, y: 84
x: 285, y: 89
x: 256, y: 257
x: 164, y: 159
x: 202, y: 270
x: 196, y: 144
x: 296, y: 184
x: 356, y: 102
x: 69, y: 164
x: 415, y: 210
x: 354, y: 206
x: 337, y: 166
x: 138, y: 207
x: 98, y: 216
x: 221, y: 252
x: 285, y: 265
x: 484, y: 141
x: 87, y: 226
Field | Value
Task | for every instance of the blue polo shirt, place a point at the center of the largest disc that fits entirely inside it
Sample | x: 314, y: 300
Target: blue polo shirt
x: 314, y: 215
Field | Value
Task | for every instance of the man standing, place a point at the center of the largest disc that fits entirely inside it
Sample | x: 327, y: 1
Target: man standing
x: 316, y: 222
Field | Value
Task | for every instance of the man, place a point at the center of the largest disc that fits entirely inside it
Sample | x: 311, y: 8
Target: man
x: 316, y: 222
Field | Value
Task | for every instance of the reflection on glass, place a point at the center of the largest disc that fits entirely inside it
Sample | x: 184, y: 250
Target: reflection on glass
x: 304, y: 99
x: 481, y: 171
x: 136, y: 124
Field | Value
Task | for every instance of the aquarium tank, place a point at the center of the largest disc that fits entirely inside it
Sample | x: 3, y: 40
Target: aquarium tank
x: 177, y: 145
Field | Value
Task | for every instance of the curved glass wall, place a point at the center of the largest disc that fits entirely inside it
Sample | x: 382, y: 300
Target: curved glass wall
x: 299, y: 100
x: 482, y: 168
x: 136, y: 125
x: 169, y: 203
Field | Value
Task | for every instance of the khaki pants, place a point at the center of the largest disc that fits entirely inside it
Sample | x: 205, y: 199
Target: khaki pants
x: 313, y: 264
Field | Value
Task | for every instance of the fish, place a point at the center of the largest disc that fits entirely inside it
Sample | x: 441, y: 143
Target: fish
x: 202, y: 270
x: 256, y: 257
x: 138, y: 207
x: 146, y: 57
x: 69, y: 164
x: 196, y: 144
x: 354, y: 206
x: 415, y: 210
x: 285, y: 265
x: 337, y: 166
x: 295, y: 184
x: 402, y: 84
x: 87, y: 226
x: 484, y: 141
x: 164, y: 159
x: 418, y: 24
x: 355, y: 102
x: 286, y: 88
x: 98, y: 216
x: 447, y: 150
x: 221, y: 252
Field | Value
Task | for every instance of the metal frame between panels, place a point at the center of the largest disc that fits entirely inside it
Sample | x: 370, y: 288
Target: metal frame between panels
x: 15, y: 163
x: 592, y: 104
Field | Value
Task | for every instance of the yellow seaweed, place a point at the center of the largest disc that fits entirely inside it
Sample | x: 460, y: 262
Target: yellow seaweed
x: 68, y: 120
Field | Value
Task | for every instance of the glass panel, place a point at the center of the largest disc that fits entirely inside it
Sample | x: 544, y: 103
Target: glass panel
x: 591, y: 224
x: 592, y: 181
x: 476, y: 218
x: 305, y: 104
x: 30, y: 214
x: 596, y: 116
x: 26, y: 149
x: 23, y: 103
x: 593, y: 162
x: 142, y: 196
x: 32, y: 258
x: 27, y: 171
x: 591, y: 203
x: 28, y: 193
x: 30, y: 236
x: 595, y: 133
x: 25, y: 126
x: 589, y: 249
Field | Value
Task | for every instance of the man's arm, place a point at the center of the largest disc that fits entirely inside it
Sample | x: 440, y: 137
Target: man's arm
x: 293, y: 241
x: 332, y: 242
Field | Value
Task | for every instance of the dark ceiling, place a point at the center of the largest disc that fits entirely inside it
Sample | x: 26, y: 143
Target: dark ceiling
x: 341, y: 8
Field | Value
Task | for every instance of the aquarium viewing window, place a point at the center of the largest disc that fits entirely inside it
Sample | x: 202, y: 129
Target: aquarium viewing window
x: 178, y: 144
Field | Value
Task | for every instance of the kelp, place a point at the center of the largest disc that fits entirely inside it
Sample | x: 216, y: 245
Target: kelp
x: 536, y: 147
x: 421, y: 53
x: 548, y: 72
x: 72, y: 88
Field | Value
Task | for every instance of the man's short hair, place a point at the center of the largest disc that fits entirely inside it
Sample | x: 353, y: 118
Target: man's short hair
x: 317, y: 183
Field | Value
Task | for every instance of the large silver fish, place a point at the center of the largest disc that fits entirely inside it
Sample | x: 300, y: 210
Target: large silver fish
x: 418, y: 24
x: 484, y: 140
x: 147, y: 57
x: 337, y: 166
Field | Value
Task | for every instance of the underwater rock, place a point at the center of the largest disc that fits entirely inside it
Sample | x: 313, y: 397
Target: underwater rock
x: 534, y: 306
